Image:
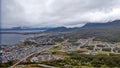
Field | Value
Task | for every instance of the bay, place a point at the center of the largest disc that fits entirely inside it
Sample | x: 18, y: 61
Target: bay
x: 12, y: 39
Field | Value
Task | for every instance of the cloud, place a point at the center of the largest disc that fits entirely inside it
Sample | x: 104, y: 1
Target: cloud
x: 50, y: 13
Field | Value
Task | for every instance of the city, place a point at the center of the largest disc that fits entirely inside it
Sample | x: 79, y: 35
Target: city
x: 43, y: 48
x: 59, y: 33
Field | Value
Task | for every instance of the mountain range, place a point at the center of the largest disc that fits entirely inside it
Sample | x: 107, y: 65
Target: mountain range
x: 109, y: 31
x: 112, y: 24
x: 26, y: 28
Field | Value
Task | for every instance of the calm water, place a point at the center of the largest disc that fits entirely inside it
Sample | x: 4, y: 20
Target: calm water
x: 11, y: 39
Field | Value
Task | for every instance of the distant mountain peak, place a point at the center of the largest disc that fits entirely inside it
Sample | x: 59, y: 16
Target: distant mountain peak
x: 58, y: 29
x: 115, y: 23
x: 20, y: 27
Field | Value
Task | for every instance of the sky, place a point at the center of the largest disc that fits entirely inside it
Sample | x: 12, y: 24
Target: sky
x: 56, y: 13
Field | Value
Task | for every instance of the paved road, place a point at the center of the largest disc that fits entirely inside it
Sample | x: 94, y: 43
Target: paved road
x: 47, y: 66
x: 86, y: 42
x: 44, y: 49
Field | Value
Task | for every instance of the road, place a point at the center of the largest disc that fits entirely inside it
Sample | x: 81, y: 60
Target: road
x: 44, y: 49
x: 47, y: 66
x: 86, y: 42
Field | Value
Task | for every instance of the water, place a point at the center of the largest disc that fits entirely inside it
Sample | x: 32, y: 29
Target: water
x: 22, y: 30
x: 11, y: 39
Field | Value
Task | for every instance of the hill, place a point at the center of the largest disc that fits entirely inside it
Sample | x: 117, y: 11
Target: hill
x: 26, y: 28
x: 61, y: 29
x: 112, y: 24
x: 109, y: 31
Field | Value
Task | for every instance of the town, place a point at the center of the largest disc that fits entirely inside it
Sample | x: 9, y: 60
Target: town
x: 50, y: 47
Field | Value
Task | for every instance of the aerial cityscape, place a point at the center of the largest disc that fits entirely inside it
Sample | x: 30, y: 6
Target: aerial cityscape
x: 60, y: 34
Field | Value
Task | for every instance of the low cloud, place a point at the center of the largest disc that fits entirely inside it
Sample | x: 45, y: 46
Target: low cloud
x: 50, y: 13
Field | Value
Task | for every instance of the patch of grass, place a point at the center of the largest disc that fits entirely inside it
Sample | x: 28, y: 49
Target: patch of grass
x: 103, y: 53
x: 56, y: 48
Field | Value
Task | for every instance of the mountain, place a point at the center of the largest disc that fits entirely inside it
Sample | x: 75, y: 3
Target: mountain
x: 58, y: 29
x: 113, y: 24
x: 25, y: 28
x: 61, y: 29
x: 110, y: 25
x: 108, y: 31
x: 115, y: 21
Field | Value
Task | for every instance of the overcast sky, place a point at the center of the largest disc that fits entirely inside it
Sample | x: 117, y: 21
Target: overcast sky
x: 50, y: 13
